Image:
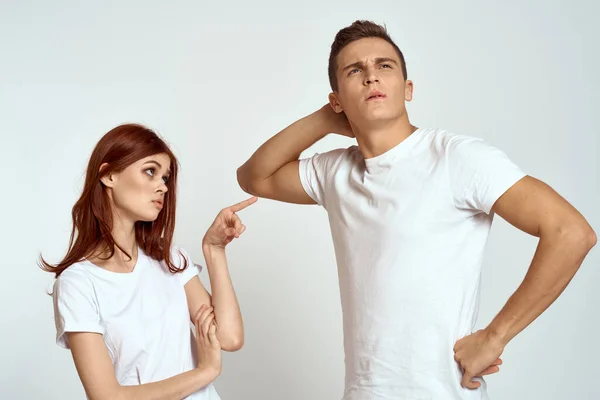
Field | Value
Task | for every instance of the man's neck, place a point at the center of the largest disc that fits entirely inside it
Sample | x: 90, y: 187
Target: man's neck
x: 378, y: 139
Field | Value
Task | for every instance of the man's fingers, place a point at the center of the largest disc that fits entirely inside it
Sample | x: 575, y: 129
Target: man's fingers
x: 473, y: 385
x: 490, y: 370
x: 466, y: 379
x: 468, y: 383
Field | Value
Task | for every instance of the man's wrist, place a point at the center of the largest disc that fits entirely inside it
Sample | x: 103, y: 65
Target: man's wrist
x: 320, y: 122
x: 497, y: 335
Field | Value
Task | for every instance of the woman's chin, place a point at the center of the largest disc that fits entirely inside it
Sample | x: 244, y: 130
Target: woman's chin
x: 150, y: 217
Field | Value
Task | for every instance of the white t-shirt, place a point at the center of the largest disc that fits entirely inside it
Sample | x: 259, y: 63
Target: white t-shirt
x: 143, y: 317
x: 409, y: 229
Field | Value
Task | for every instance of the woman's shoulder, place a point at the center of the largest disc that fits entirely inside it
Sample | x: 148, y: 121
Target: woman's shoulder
x: 75, y: 272
x: 180, y: 260
x: 179, y: 255
x: 75, y: 280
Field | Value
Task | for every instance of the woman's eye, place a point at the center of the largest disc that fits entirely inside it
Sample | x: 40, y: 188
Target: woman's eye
x: 152, y: 171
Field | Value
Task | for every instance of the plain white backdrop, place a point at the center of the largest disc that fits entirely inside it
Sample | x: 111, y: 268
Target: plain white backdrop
x: 217, y: 80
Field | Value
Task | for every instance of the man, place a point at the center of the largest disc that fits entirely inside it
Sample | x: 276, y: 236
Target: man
x: 410, y: 210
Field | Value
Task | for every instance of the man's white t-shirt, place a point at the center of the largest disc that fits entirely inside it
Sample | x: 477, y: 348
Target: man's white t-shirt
x: 409, y: 229
x: 143, y: 317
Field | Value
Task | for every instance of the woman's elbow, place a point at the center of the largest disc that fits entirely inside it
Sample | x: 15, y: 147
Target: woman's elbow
x: 232, y: 342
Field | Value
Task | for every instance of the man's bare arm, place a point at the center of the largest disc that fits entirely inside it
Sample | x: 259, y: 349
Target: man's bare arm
x: 272, y: 171
x: 565, y: 240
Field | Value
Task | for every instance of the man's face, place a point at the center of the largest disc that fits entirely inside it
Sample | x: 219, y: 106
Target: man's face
x: 371, y: 85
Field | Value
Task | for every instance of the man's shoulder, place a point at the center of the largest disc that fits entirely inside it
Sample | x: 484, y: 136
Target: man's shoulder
x: 446, y: 137
x: 340, y: 152
x: 335, y: 156
x: 451, y: 143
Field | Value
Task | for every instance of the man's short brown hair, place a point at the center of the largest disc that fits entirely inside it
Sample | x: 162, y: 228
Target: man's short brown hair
x: 358, y: 30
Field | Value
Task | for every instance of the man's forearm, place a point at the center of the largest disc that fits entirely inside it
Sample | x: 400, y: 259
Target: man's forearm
x: 556, y: 260
x: 230, y: 327
x: 284, y: 147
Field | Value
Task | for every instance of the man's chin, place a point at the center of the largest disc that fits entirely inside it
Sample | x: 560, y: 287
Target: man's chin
x: 374, y: 117
x: 378, y: 117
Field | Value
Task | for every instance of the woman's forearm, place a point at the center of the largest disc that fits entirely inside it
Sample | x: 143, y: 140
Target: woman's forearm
x: 230, y: 327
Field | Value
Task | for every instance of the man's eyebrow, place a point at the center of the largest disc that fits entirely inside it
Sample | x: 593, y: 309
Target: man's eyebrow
x: 378, y: 60
x: 381, y: 60
x: 358, y: 64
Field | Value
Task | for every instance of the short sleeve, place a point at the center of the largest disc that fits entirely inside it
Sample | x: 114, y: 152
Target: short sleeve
x: 316, y: 174
x: 479, y: 173
x: 75, y: 307
x: 192, y: 269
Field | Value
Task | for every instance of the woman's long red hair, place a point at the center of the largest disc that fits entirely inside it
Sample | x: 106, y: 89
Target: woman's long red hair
x: 92, y: 213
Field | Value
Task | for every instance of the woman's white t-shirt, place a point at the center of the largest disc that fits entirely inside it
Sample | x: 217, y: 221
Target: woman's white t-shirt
x: 143, y: 317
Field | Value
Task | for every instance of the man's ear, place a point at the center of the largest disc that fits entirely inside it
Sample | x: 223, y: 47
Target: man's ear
x: 108, y: 179
x: 408, y: 90
x: 335, y: 103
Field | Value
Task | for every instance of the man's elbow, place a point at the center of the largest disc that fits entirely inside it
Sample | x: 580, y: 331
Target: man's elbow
x: 581, y: 236
x: 243, y: 181
x: 247, y: 184
x: 590, y: 238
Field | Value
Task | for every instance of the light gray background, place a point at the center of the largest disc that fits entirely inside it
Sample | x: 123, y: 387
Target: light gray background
x: 218, y: 80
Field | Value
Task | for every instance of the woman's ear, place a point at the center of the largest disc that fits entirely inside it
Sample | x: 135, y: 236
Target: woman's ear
x: 108, y: 179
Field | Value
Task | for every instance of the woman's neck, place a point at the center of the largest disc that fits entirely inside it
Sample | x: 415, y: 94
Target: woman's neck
x: 124, y: 260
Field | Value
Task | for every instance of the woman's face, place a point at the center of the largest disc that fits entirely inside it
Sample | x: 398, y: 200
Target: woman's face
x: 138, y: 191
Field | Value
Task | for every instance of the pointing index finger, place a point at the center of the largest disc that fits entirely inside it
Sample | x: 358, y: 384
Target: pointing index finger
x: 243, y: 204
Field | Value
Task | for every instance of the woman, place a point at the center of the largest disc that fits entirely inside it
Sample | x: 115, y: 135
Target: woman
x: 124, y: 295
